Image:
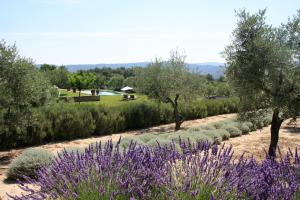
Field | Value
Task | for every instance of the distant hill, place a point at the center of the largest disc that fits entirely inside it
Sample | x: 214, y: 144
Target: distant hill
x: 213, y: 68
x: 76, y: 67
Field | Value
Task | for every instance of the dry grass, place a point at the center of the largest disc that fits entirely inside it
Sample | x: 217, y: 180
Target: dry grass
x: 257, y: 142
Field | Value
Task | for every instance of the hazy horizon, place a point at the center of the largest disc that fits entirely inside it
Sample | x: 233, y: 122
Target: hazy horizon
x: 66, y: 32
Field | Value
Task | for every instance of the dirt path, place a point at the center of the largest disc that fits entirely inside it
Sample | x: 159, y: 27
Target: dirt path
x: 257, y: 142
x: 253, y: 143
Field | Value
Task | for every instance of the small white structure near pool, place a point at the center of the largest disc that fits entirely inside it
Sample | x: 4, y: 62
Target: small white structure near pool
x: 127, y: 88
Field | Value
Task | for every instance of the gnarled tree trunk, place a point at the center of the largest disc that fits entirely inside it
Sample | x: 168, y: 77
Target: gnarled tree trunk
x: 275, y: 126
x: 79, y: 90
x: 177, y: 117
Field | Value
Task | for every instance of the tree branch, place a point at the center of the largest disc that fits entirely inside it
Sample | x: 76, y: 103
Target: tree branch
x: 169, y: 100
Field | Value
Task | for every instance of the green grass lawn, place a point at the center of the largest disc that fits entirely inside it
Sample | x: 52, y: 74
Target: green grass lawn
x: 113, y: 100
x: 118, y: 99
x: 64, y: 92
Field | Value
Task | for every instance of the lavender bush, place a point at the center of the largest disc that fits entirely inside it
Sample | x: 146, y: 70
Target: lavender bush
x: 197, y: 171
x: 28, y: 163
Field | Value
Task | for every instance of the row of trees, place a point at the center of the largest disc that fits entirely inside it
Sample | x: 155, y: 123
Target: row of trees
x: 97, y: 78
x: 117, y: 78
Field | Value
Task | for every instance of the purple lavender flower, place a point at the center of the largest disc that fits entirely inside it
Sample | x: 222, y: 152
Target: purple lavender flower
x: 198, y: 171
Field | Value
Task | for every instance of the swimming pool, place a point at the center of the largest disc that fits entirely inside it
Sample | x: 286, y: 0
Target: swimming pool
x: 103, y: 92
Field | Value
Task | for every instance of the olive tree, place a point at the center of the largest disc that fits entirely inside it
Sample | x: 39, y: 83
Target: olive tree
x: 168, y: 80
x: 263, y: 67
x: 22, y: 88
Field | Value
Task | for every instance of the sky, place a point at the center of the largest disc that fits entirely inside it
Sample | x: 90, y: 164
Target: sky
x: 122, y: 31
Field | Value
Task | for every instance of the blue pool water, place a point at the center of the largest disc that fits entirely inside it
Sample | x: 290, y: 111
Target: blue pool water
x: 103, y: 93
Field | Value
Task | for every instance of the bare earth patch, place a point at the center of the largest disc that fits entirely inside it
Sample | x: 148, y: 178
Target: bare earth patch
x: 257, y: 142
x: 254, y: 143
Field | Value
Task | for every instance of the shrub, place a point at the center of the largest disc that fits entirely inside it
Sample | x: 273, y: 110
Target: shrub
x: 233, y: 131
x: 232, y: 123
x: 145, y: 137
x: 267, y: 120
x: 125, y: 142
x: 200, y: 110
x: 179, y: 135
x: 244, y: 128
x: 198, y: 136
x: 155, y: 141
x: 166, y: 113
x: 223, y: 133
x: 87, y: 125
x: 250, y: 126
x: 255, y: 127
x: 73, y: 149
x: 213, y: 107
x: 194, y: 110
x: 162, y: 135
x: 70, y: 121
x: 213, y: 132
x: 213, y: 136
x: 28, y: 163
x: 194, y: 129
x: 113, y: 122
x: 101, y: 116
x: 208, y: 127
x: 203, y: 108
x: 260, y: 124
x: 140, y: 115
x: 30, y: 132
x: 218, y: 125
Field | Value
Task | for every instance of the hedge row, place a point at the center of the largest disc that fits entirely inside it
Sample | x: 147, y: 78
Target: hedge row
x: 209, y: 107
x: 63, y: 121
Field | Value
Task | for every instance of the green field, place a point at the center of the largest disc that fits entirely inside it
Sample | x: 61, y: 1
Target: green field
x: 113, y: 100
x: 64, y: 92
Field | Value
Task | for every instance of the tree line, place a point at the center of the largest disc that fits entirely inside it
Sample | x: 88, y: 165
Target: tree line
x: 94, y: 78
x: 115, y: 79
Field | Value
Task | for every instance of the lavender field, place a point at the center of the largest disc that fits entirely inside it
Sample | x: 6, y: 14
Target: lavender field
x: 195, y: 171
